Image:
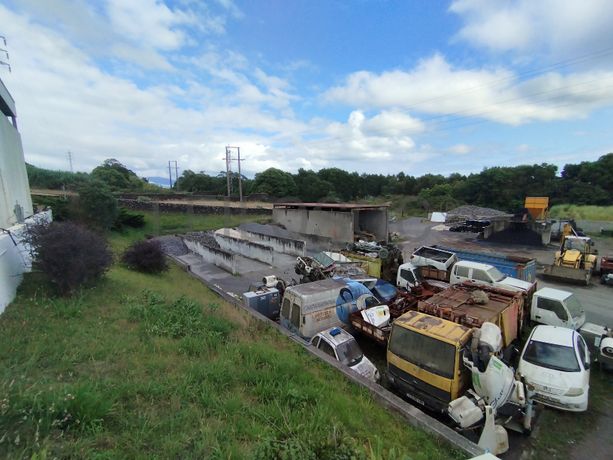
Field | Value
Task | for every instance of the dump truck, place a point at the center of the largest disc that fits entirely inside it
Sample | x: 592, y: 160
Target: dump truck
x: 425, y: 347
x: 442, y: 265
x: 575, y: 261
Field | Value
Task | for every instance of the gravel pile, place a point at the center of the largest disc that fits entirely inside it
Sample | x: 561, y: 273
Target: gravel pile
x: 468, y: 212
x: 206, y: 238
x: 172, y: 245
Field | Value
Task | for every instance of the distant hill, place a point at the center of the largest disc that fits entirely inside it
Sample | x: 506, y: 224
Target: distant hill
x: 160, y: 181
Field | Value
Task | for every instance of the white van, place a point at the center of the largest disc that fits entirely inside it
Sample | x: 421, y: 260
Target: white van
x: 312, y: 307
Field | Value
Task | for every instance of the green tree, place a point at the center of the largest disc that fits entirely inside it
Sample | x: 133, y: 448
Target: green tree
x: 310, y: 187
x: 116, y: 176
x: 97, y: 205
x: 275, y: 182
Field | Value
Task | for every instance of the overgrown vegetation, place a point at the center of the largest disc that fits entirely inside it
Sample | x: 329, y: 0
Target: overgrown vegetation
x: 604, y: 213
x: 145, y: 256
x: 137, y: 368
x: 69, y: 255
x: 585, y: 183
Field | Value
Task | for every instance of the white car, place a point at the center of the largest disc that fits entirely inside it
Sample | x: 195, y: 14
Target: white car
x: 555, y: 364
x: 342, y: 346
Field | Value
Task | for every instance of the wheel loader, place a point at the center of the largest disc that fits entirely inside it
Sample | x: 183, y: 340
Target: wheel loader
x: 575, y: 260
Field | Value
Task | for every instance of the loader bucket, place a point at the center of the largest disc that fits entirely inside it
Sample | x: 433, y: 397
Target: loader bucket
x: 568, y: 274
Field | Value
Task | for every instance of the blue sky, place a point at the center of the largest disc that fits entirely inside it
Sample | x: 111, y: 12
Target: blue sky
x: 365, y: 85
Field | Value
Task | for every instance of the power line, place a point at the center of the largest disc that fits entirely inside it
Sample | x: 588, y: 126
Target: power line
x: 515, y: 77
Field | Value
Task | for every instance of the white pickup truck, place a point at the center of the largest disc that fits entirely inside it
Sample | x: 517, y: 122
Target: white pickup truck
x: 410, y: 275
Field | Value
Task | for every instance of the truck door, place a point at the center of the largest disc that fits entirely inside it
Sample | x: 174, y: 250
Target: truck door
x: 549, y: 311
x: 459, y: 274
x: 406, y: 278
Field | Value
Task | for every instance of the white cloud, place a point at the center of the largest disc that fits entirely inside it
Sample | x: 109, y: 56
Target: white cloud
x: 434, y: 86
x: 562, y: 28
x: 460, y: 149
x: 66, y: 102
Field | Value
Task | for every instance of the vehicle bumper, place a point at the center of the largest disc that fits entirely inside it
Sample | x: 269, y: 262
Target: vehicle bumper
x: 566, y: 403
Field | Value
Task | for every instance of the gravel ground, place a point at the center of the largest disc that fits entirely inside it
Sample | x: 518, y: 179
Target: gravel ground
x: 206, y: 238
x: 172, y: 245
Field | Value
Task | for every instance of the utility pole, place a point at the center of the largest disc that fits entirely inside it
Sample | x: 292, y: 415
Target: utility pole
x: 70, y: 160
x: 170, y: 162
x: 229, y: 159
x: 228, y: 170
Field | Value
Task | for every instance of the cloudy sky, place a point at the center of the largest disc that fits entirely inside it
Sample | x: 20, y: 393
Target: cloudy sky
x: 365, y: 85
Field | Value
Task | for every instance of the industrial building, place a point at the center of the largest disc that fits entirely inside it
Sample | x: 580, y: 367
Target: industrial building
x: 339, y: 222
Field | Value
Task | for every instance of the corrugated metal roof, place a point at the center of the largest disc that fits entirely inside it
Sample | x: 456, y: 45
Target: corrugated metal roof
x: 342, y: 206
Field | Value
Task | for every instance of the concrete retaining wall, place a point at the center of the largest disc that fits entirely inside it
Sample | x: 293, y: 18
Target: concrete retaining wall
x: 335, y: 225
x: 219, y: 257
x: 197, y: 209
x: 246, y: 248
x: 279, y: 244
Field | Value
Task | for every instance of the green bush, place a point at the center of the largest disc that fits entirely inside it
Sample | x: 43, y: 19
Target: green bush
x: 145, y: 256
x: 127, y: 218
x: 69, y: 255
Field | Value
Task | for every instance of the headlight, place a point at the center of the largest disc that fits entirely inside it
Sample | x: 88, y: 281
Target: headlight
x: 574, y: 392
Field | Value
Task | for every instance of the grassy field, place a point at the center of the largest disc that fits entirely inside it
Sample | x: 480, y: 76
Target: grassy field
x: 145, y: 366
x: 175, y: 222
x: 576, y: 212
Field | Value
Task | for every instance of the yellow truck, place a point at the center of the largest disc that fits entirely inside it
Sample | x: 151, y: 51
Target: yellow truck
x: 424, y: 354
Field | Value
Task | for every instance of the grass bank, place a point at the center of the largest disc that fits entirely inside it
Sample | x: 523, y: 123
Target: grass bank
x: 577, y: 212
x: 145, y: 366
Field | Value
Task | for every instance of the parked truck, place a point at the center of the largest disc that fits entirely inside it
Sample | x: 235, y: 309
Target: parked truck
x: 523, y: 268
x: 433, y: 263
x: 425, y: 347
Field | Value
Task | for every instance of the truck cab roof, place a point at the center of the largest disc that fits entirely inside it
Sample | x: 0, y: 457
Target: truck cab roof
x: 554, y: 294
x: 441, y: 329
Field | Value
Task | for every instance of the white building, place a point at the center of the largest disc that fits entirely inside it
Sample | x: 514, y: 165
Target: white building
x: 15, y: 202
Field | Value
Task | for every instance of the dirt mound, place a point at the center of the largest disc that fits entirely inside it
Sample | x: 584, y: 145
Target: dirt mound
x: 517, y: 236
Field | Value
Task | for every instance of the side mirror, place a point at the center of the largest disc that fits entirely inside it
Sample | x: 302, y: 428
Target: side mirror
x: 587, y: 365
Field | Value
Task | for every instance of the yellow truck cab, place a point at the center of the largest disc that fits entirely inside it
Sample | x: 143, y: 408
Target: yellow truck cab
x: 424, y: 359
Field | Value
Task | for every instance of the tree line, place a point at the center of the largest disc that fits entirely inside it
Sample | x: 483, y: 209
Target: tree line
x: 588, y: 182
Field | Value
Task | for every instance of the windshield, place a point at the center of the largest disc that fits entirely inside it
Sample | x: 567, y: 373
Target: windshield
x: 574, y: 306
x: 349, y: 353
x: 495, y: 274
x: 371, y: 301
x: 386, y: 291
x: 551, y: 356
x: 423, y: 351
x: 578, y: 244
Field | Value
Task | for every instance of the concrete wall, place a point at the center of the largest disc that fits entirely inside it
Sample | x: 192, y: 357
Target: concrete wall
x: 14, y: 187
x: 190, y: 207
x: 15, y: 258
x: 373, y: 221
x: 594, y: 226
x: 218, y: 257
x: 279, y: 244
x: 246, y: 248
x: 331, y: 224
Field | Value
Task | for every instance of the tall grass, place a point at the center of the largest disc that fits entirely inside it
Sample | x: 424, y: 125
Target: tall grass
x: 583, y: 212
